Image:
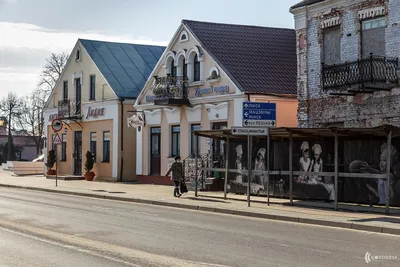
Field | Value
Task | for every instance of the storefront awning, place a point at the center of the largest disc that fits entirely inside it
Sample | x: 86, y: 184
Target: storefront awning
x: 282, y: 133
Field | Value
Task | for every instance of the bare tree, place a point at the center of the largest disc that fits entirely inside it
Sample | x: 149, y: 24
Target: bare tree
x: 52, y: 71
x: 32, y: 119
x: 11, y: 107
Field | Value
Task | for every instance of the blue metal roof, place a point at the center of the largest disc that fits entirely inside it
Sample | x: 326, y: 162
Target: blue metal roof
x: 126, y: 67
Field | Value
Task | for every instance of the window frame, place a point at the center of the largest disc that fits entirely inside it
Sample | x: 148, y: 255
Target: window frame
x: 364, y: 29
x: 65, y: 90
x: 63, y: 147
x: 173, y: 68
x: 192, y: 136
x: 184, y: 68
x: 92, y: 87
x: 106, y: 147
x: 196, y: 68
x: 93, y: 144
x: 175, y: 136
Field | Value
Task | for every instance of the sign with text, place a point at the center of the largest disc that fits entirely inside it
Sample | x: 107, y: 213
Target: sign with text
x: 223, y: 89
x: 95, y: 112
x: 256, y: 114
x: 249, y: 131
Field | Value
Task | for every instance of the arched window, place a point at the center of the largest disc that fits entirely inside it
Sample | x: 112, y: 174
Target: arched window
x: 196, y: 69
x: 173, y: 68
x: 183, y: 38
x: 214, y: 74
x: 184, y: 68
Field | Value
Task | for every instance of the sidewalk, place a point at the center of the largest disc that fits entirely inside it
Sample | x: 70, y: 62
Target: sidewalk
x: 302, y: 212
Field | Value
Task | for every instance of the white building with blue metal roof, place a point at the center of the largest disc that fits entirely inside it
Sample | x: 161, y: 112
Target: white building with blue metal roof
x: 93, y: 98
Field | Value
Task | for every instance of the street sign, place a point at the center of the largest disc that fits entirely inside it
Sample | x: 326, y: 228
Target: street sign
x: 256, y: 114
x: 56, y: 125
x: 57, y: 139
x: 249, y: 131
x: 135, y: 122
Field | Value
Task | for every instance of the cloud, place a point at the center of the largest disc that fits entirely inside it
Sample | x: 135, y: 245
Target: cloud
x: 24, y: 47
x: 23, y: 35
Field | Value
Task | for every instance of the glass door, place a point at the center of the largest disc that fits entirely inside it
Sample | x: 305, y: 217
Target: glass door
x: 78, y: 153
x: 155, y: 147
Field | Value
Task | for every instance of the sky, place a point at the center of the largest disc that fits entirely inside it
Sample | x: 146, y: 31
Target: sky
x: 30, y: 30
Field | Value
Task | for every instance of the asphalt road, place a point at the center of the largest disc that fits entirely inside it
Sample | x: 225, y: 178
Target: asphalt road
x: 84, y: 231
x: 21, y: 250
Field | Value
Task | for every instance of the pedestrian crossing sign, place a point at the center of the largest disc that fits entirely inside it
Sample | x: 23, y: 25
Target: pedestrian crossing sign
x: 57, y: 139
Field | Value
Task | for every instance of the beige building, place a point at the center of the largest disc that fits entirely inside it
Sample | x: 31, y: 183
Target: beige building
x: 93, y: 98
x: 201, y: 81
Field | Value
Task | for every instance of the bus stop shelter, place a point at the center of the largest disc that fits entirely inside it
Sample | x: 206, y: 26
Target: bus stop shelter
x: 291, y: 135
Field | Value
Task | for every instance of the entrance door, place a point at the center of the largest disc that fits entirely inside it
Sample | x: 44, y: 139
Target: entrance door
x: 78, y: 153
x: 155, y: 145
x: 218, y: 145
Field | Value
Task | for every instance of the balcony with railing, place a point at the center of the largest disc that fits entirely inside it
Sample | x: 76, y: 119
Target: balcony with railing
x: 69, y: 109
x: 170, y: 90
x: 370, y: 74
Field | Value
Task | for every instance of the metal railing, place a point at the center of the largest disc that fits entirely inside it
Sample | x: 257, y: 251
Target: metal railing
x: 371, y: 70
x: 205, y: 163
x: 68, y: 108
x: 170, y: 87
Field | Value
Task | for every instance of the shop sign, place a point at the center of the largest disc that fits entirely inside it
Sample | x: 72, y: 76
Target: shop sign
x: 223, y: 89
x: 95, y: 112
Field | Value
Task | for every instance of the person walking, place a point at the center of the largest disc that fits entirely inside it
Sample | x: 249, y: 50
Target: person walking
x: 177, y: 175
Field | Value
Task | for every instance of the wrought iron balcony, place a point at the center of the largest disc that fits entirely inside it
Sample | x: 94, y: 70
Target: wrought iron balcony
x: 69, y: 109
x: 369, y: 74
x: 169, y: 90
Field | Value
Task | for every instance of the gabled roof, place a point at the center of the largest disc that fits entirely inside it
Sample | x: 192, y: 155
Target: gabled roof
x: 257, y: 59
x: 306, y: 3
x: 126, y: 67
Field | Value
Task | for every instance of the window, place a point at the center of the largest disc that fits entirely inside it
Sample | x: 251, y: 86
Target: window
x: 196, y: 69
x: 173, y: 68
x: 92, y: 87
x: 218, y: 145
x: 93, y: 145
x: 18, y: 155
x: 175, y: 140
x: 64, y: 147
x: 65, y: 90
x: 183, y: 37
x: 78, y: 55
x: 184, y: 68
x: 214, y: 75
x: 373, y: 37
x: 106, y: 146
x: 332, y: 46
x: 194, y: 139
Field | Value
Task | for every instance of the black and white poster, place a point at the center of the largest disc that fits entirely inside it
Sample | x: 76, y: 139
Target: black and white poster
x: 315, y: 156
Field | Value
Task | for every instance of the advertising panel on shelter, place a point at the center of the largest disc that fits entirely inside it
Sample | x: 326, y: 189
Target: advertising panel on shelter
x: 314, y: 156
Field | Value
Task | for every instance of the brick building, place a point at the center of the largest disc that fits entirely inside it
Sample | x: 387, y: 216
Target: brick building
x: 347, y: 53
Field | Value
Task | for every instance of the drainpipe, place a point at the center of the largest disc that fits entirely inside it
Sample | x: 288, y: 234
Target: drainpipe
x: 122, y: 140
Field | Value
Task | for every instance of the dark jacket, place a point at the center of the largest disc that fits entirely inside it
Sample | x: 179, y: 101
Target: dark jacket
x: 177, y: 171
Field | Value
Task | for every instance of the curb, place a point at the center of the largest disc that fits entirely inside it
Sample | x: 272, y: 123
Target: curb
x: 344, y: 225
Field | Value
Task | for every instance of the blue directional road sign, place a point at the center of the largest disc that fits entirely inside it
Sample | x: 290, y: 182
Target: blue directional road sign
x: 256, y: 114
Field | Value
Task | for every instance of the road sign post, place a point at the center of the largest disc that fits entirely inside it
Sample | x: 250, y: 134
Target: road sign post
x: 258, y: 117
x: 57, y: 141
